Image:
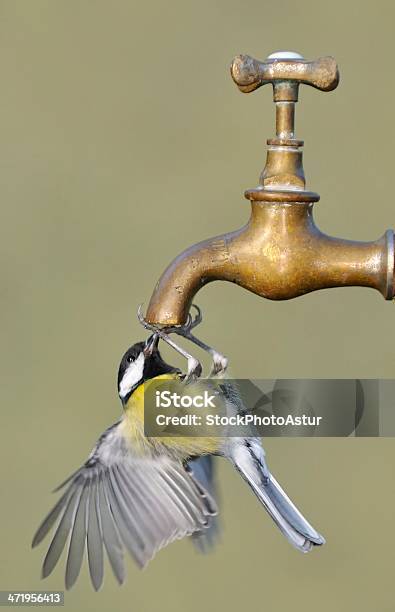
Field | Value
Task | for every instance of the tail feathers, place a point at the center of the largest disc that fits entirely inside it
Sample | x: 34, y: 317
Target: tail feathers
x: 291, y: 514
x: 287, y: 517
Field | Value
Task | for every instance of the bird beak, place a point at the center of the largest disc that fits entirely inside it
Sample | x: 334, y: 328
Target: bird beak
x: 150, y: 345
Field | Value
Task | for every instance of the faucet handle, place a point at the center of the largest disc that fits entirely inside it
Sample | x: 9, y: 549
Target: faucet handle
x: 286, y: 70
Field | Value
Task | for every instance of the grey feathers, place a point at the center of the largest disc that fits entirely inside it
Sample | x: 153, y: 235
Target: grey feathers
x: 203, y: 471
x: 94, y: 539
x: 119, y: 501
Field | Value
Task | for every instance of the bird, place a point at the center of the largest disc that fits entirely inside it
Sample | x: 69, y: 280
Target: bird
x: 139, y: 494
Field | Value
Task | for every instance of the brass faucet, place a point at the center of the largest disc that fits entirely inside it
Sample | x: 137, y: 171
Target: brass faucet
x: 280, y: 254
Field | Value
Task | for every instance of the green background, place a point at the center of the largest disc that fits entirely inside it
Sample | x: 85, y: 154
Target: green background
x: 122, y: 141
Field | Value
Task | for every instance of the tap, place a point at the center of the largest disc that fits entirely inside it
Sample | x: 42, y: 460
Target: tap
x: 280, y: 253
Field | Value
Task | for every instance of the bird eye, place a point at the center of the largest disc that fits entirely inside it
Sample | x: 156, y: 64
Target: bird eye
x: 130, y: 359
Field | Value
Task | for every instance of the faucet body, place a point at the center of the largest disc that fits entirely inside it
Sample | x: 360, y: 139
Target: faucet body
x: 280, y: 254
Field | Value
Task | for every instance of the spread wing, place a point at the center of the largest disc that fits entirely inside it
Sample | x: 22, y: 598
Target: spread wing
x: 120, y: 500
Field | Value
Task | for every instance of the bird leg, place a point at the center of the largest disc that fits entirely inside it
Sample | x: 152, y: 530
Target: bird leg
x: 220, y: 362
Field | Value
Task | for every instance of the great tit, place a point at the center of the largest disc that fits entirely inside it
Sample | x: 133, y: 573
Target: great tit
x: 142, y: 493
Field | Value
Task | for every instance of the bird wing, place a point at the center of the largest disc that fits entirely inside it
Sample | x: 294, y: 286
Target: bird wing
x: 203, y: 469
x: 120, y: 499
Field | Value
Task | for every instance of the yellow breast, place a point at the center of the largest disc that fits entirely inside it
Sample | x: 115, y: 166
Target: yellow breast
x: 185, y: 447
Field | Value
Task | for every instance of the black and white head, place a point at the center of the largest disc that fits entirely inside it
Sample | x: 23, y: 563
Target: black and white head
x: 141, y: 362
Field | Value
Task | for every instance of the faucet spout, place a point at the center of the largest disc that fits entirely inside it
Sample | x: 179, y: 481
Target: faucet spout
x: 280, y: 254
x: 199, y: 264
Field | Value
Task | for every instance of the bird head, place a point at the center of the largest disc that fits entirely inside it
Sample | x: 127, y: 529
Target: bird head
x: 141, y: 362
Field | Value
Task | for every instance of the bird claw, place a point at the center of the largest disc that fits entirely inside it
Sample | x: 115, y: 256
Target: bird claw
x: 198, y: 318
